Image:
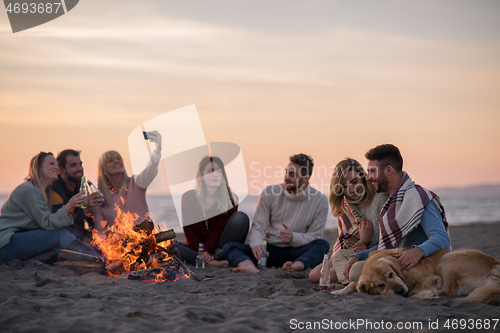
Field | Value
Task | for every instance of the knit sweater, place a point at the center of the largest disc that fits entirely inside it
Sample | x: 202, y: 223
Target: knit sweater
x: 25, y: 210
x: 304, y: 213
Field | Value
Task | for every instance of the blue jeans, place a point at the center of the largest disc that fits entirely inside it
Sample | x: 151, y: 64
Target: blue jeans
x: 27, y: 244
x: 236, y: 230
x: 310, y: 254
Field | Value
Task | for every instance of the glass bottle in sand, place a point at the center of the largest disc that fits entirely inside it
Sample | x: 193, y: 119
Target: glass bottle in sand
x: 324, y: 275
x: 199, y: 258
x: 263, y: 260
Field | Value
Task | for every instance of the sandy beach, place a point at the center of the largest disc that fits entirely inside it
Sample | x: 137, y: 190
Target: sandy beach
x: 37, y: 297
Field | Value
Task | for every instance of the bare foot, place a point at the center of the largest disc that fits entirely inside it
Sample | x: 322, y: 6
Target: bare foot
x: 294, y: 267
x: 218, y: 263
x: 246, y: 266
x: 246, y: 269
x: 288, y: 266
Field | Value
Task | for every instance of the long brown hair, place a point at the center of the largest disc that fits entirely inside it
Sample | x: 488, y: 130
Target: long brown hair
x: 337, y: 190
x: 36, y: 178
x: 224, y: 198
x: 102, y: 178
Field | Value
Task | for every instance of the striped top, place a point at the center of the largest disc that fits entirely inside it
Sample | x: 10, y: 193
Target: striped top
x: 304, y: 213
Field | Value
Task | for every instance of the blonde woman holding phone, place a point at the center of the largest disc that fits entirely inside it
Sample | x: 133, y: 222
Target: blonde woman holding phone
x: 120, y: 190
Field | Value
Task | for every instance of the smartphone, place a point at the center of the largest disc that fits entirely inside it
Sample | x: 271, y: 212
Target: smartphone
x: 146, y: 137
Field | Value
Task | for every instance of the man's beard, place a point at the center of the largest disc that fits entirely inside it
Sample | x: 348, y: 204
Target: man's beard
x: 74, y: 179
x: 291, y: 187
x: 382, y: 183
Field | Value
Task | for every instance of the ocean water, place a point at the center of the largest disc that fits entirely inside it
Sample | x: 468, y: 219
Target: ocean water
x: 459, y: 210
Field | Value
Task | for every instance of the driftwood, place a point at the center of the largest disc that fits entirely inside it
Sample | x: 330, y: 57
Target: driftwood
x: 83, y: 267
x: 77, y: 256
x: 80, y: 263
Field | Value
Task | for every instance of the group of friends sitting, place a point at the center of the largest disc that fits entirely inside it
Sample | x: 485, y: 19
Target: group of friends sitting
x: 376, y: 209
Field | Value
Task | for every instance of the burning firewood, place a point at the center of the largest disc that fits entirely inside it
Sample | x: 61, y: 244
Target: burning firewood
x: 128, y: 246
x: 164, y: 236
x: 145, y: 247
x: 152, y: 274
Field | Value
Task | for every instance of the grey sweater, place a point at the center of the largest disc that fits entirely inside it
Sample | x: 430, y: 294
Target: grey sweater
x: 304, y: 213
x: 25, y: 210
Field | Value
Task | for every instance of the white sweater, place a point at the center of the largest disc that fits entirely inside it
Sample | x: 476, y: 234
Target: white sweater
x: 304, y: 213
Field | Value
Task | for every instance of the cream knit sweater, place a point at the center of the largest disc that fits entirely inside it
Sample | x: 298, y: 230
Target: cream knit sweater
x: 304, y: 213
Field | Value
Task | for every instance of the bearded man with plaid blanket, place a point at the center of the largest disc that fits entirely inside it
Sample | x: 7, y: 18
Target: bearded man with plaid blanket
x: 412, y: 218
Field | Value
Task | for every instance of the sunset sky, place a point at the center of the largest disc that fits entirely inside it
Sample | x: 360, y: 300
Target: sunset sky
x: 326, y: 78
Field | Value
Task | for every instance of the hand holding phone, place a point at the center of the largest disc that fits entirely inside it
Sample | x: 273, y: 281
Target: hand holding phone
x: 153, y: 136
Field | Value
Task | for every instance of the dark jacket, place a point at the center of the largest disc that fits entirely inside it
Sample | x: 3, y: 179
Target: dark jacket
x: 61, y: 195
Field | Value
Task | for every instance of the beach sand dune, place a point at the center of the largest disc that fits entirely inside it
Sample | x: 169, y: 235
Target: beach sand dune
x: 37, y: 297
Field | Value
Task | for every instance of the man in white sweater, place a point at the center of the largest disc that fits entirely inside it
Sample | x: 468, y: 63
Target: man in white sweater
x: 291, y: 217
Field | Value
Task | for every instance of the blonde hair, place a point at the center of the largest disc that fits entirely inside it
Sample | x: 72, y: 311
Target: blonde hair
x: 339, y: 174
x: 35, y: 176
x: 103, y: 182
x: 224, y: 198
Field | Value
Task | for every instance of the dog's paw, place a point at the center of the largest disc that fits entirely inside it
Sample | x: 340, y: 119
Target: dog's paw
x: 339, y: 292
x: 351, y: 287
x: 426, y: 294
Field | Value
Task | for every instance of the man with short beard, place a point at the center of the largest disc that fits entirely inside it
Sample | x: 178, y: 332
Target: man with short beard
x: 291, y: 217
x: 67, y: 185
x: 412, y: 218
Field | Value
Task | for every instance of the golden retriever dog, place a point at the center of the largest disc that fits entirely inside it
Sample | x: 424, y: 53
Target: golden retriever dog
x: 444, y: 273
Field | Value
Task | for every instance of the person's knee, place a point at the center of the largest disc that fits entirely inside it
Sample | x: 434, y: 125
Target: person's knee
x: 321, y: 244
x: 314, y: 275
x: 239, y: 218
x: 232, y: 246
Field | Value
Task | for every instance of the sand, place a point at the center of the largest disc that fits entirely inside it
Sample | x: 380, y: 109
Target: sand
x: 37, y: 297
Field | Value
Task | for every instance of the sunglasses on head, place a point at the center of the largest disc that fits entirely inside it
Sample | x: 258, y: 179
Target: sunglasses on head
x: 42, y: 155
x: 112, y: 159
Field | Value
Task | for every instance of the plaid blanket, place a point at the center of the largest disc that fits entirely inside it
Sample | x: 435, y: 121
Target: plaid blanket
x: 348, y: 224
x: 403, y: 211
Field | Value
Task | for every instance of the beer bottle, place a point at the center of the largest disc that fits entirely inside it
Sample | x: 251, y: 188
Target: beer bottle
x: 83, y: 189
x: 93, y: 189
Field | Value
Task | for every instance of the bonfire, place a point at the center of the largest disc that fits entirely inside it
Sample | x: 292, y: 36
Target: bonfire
x: 139, y: 251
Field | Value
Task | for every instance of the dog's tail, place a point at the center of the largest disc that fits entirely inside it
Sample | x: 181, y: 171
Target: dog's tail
x: 485, y: 294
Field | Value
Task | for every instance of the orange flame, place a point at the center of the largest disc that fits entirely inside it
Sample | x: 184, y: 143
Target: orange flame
x: 129, y: 248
